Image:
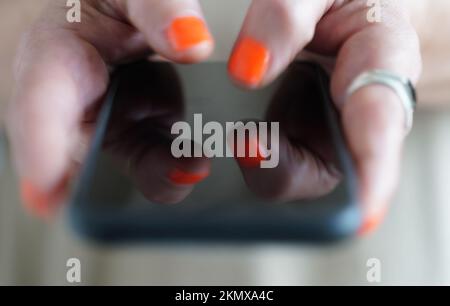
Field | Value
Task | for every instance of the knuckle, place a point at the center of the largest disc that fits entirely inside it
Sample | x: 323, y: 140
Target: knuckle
x: 381, y: 112
x: 287, y: 14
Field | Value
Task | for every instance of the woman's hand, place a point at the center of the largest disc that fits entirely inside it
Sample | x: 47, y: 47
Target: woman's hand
x: 275, y: 31
x: 62, y: 72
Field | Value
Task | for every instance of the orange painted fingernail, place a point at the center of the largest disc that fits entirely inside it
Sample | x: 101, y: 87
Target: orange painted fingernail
x: 248, y: 161
x: 181, y: 177
x: 187, y: 32
x: 40, y: 203
x: 371, y: 224
x: 249, y: 61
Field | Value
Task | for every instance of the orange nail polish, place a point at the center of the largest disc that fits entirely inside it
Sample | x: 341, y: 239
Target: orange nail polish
x: 40, y: 203
x: 35, y: 200
x: 248, y: 161
x: 181, y: 177
x: 249, y: 61
x: 371, y: 224
x: 186, y: 32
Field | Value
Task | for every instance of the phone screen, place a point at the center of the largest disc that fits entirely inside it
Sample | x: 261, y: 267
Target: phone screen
x: 123, y: 193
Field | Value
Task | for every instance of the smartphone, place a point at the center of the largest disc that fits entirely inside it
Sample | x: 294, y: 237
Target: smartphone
x: 143, y: 101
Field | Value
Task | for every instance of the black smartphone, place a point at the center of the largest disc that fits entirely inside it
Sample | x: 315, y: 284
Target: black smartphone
x: 110, y: 204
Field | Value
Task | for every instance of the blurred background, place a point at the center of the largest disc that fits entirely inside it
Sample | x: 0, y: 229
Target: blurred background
x: 413, y: 245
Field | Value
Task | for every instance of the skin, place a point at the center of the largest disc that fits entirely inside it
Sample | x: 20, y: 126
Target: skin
x: 63, y: 68
x: 428, y: 16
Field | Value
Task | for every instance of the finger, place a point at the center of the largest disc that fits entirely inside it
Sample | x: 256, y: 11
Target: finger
x: 148, y: 102
x: 307, y: 160
x: 297, y: 173
x: 373, y: 117
x: 273, y: 33
x: 165, y: 179
x: 58, y: 77
x: 175, y: 29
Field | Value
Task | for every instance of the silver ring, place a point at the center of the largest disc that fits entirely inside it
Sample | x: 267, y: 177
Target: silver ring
x: 400, y: 85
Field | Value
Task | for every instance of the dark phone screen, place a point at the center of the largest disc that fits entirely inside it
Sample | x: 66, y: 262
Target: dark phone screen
x: 125, y: 178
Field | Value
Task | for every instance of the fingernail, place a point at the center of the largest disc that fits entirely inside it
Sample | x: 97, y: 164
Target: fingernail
x: 187, y: 32
x: 248, y: 161
x: 36, y: 201
x: 40, y: 203
x: 181, y: 177
x: 249, y: 61
x: 371, y: 223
